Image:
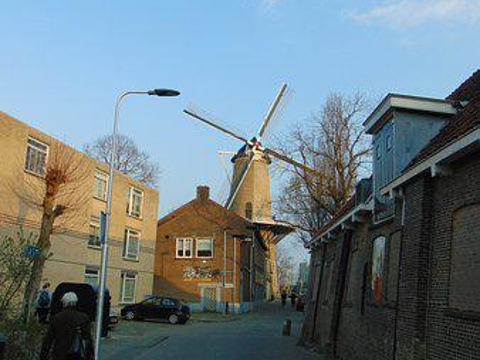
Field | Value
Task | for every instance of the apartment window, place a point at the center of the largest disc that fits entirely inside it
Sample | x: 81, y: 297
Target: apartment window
x: 131, y: 244
x: 184, y: 248
x: 205, y: 248
x: 94, y: 235
x: 135, y: 202
x: 100, y: 185
x: 36, y: 157
x: 128, y: 289
x: 91, y: 276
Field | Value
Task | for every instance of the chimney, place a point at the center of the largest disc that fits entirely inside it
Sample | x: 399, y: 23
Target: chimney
x: 203, y: 192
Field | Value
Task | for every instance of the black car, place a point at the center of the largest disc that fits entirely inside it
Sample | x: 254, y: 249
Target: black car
x: 157, y: 307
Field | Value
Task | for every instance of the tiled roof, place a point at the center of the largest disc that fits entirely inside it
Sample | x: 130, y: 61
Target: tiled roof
x: 466, y: 120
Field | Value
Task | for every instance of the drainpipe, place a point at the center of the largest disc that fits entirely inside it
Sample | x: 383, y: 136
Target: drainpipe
x: 224, y: 271
x: 252, y: 249
x: 317, y: 295
x: 400, y: 254
x: 234, y: 276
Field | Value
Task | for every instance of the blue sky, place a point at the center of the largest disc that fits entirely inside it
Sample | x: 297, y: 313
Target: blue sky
x: 63, y: 63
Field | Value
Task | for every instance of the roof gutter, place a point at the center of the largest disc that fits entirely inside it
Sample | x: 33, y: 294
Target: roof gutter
x: 352, y: 216
x: 435, y: 163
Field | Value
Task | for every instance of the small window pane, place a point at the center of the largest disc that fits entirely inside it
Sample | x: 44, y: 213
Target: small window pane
x: 36, y: 157
x: 128, y: 288
x: 131, y: 244
x: 94, y: 236
x: 91, y: 277
x: 204, y: 248
x: 100, y: 184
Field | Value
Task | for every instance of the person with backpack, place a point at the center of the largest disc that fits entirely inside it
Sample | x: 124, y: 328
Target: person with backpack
x: 69, y: 335
x: 43, y: 302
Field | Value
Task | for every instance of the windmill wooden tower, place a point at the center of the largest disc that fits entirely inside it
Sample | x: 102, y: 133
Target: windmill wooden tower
x: 250, y: 187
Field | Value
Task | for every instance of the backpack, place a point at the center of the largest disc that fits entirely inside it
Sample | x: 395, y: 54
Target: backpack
x: 44, y: 299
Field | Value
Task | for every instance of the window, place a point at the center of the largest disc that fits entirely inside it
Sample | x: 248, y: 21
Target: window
x: 378, y: 269
x: 36, y: 157
x: 168, y: 302
x: 204, y: 248
x: 100, y: 185
x: 389, y: 142
x: 91, y: 276
x: 378, y: 152
x: 248, y: 211
x: 135, y: 202
x: 94, y: 236
x: 184, y: 248
x: 131, y: 244
x: 129, y: 287
x: 464, y: 292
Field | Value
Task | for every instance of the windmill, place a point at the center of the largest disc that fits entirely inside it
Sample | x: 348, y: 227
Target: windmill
x: 250, y: 184
x: 250, y: 187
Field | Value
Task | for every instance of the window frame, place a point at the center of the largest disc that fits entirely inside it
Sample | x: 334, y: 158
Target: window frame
x: 124, y: 275
x: 126, y: 244
x: 46, y: 152
x: 102, y: 176
x: 197, y: 240
x: 131, y: 191
x: 91, y: 270
x: 177, y: 240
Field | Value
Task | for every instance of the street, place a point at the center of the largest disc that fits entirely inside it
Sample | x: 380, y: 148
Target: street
x: 257, y: 335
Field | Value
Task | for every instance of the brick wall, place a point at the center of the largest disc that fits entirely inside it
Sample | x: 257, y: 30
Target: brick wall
x: 453, y: 330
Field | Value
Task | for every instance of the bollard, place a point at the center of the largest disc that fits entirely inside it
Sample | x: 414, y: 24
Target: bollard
x: 3, y: 341
x: 287, y: 327
x: 227, y: 308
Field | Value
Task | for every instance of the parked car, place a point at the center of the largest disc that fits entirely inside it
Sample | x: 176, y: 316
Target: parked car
x: 113, y: 318
x: 158, y: 307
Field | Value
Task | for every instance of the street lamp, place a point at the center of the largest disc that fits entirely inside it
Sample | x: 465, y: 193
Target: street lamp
x: 104, y: 260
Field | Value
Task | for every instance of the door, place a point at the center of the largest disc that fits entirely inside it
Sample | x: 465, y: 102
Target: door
x: 169, y: 306
x: 152, y: 307
x: 210, y: 299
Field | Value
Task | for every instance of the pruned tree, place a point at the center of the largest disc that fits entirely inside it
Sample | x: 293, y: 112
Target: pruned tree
x: 333, y: 143
x: 129, y: 159
x: 59, y: 196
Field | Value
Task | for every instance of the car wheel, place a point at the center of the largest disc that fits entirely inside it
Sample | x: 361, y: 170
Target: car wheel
x: 173, y: 319
x: 130, y: 315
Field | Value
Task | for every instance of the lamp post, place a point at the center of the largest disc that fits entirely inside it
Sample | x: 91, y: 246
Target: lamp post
x: 104, y: 259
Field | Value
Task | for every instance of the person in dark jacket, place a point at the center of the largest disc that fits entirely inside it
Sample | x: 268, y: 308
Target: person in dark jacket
x: 284, y: 297
x: 62, y: 329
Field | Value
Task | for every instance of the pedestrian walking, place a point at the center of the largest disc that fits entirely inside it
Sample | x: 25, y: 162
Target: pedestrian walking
x: 293, y: 298
x: 69, y: 336
x: 284, y: 297
x: 43, y: 300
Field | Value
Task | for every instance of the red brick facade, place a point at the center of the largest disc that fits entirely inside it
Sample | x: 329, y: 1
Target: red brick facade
x: 234, y: 272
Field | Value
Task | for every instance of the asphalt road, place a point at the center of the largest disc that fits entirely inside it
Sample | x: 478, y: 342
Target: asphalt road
x: 253, y: 336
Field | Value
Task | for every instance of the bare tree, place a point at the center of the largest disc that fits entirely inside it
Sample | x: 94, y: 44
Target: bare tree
x: 129, y: 160
x: 285, y: 268
x: 60, y: 195
x: 333, y: 143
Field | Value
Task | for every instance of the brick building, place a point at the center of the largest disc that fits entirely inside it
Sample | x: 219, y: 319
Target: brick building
x: 394, y: 272
x: 210, y: 256
x: 75, y: 251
